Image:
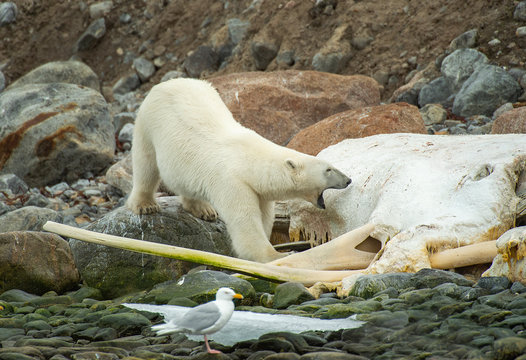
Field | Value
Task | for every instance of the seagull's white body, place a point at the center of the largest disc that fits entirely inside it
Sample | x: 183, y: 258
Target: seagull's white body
x: 203, y: 319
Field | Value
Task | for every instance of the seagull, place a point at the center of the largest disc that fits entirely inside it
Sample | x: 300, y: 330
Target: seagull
x: 204, y: 319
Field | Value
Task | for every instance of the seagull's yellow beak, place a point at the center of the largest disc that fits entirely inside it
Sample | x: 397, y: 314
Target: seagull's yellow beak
x: 238, y: 296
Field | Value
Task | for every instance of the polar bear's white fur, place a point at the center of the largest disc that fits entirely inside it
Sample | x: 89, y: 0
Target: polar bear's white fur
x: 185, y: 135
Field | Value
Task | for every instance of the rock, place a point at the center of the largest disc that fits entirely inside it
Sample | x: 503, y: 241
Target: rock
x: 458, y: 67
x: 12, y: 184
x: 510, y: 347
x: 237, y: 30
x: 16, y: 295
x: 366, y: 286
x: 278, y: 104
x: 125, y: 323
x: 120, y: 175
x: 23, y: 267
x: 437, y: 91
x: 430, y: 278
x: 121, y: 119
x: 335, y: 54
x: 28, y: 218
x: 367, y: 121
x: 431, y: 216
x: 410, y: 95
x: 509, y: 261
x: 126, y: 133
x: 290, y: 293
x: 486, y: 89
x: 520, y: 11
x: 285, y: 58
x: 8, y: 13
x: 173, y: 75
x: 433, y: 114
x: 54, y: 132
x: 2, y: 81
x: 203, y: 59
x: 126, y: 84
x: 99, y: 9
x: 145, y: 69
x: 91, y: 36
x: 510, y: 122
x: 468, y: 39
x: 201, y: 287
x: 117, y: 272
x: 263, y: 53
x: 71, y: 72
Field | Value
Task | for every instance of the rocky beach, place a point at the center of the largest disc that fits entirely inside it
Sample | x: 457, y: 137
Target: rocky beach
x: 315, y: 76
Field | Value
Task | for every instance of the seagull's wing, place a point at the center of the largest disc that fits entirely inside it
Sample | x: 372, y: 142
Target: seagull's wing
x: 200, y: 317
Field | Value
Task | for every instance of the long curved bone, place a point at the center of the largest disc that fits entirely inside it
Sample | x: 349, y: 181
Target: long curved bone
x: 266, y: 271
x: 339, y: 253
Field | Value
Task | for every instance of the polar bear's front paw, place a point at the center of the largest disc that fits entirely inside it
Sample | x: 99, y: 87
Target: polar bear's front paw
x: 199, y: 209
x: 144, y: 207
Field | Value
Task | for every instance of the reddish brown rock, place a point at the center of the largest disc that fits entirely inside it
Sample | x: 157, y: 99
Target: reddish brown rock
x: 279, y: 104
x: 382, y: 119
x: 36, y: 262
x: 511, y: 122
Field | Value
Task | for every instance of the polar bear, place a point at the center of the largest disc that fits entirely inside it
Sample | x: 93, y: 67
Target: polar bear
x: 185, y: 136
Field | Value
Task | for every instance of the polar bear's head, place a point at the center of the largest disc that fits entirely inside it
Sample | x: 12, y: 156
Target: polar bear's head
x: 312, y: 176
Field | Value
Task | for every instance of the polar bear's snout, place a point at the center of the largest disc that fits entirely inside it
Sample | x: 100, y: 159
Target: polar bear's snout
x: 336, y: 179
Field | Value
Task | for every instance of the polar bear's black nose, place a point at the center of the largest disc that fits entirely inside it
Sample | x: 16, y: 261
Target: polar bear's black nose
x: 349, y: 182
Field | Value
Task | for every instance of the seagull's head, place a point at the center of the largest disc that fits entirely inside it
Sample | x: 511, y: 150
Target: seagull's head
x: 225, y: 293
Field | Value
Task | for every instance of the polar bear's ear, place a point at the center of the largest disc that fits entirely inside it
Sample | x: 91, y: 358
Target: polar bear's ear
x: 290, y: 163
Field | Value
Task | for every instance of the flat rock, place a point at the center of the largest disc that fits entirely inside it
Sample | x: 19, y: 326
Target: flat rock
x: 423, y: 192
x: 28, y: 218
x: 118, y: 272
x: 71, y: 72
x: 24, y: 267
x: 54, y: 132
x: 510, y: 122
x: 367, y: 121
x: 279, y: 104
x: 290, y: 293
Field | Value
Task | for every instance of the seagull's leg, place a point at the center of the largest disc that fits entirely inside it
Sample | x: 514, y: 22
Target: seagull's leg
x: 210, y: 351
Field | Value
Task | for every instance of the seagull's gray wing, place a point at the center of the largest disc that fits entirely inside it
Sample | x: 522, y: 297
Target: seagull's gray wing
x: 200, y: 317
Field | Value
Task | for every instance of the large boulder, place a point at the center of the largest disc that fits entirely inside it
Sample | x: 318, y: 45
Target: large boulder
x: 381, y: 119
x: 36, y: 262
x: 485, y: 90
x: 425, y: 193
x: 510, y: 122
x: 53, y: 132
x: 117, y: 272
x: 71, y: 72
x: 279, y: 104
x: 457, y: 67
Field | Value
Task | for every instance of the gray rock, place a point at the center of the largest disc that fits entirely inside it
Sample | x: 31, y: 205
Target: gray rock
x: 332, y: 62
x: 433, y: 114
x: 201, y: 287
x: 263, y: 53
x: 411, y: 95
x: 117, y: 272
x: 126, y: 133
x: 361, y: 42
x: 100, y: 8
x: 91, y: 36
x: 368, y: 285
x: 2, y: 81
x: 203, y: 59
x: 458, y: 67
x: 520, y: 11
x: 121, y: 119
x: 486, y: 89
x: 174, y: 74
x: 285, y: 58
x: 72, y: 72
x: 237, y: 30
x: 28, y: 218
x: 468, y: 39
x: 290, y: 293
x: 145, y: 68
x: 17, y: 295
x: 54, y: 132
x: 8, y: 13
x: 23, y: 267
x: 125, y: 323
x: 12, y: 184
x: 126, y: 84
x: 430, y: 278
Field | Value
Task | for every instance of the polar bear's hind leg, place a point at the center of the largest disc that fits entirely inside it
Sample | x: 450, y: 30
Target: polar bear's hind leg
x: 199, y: 209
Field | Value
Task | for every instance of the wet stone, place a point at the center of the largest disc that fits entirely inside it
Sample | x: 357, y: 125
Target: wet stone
x: 289, y: 294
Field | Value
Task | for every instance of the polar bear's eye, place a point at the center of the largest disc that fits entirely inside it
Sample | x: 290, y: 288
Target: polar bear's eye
x: 328, y: 170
